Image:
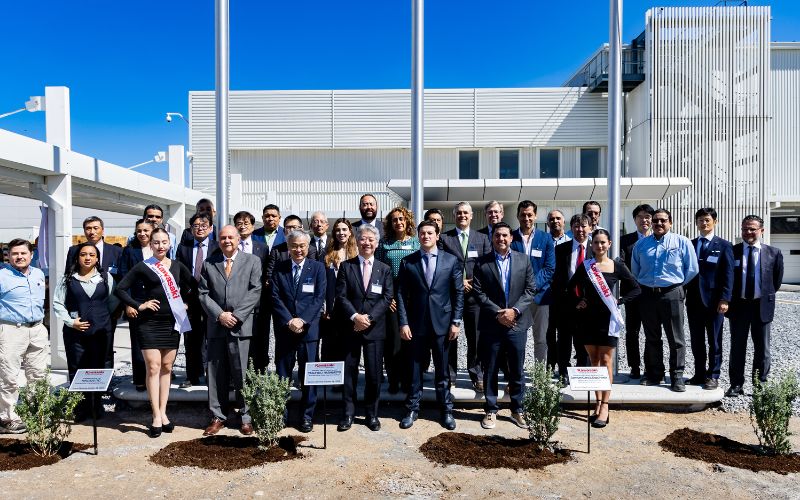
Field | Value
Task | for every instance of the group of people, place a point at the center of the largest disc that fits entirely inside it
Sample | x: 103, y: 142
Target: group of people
x: 398, y: 293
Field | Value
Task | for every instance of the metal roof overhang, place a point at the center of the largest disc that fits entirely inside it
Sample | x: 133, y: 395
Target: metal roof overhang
x: 96, y: 184
x: 562, y: 189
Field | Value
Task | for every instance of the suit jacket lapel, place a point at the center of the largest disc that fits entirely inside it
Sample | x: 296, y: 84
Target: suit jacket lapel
x: 221, y: 267
x: 419, y: 269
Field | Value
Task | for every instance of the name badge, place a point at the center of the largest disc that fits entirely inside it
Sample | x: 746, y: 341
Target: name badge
x: 472, y: 254
x: 308, y: 288
x: 375, y: 288
x: 405, y: 247
x: 713, y: 259
x: 737, y: 263
x: 536, y: 253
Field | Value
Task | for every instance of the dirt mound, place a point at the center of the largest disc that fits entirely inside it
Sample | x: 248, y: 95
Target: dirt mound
x: 225, y: 452
x: 16, y: 454
x: 489, y: 452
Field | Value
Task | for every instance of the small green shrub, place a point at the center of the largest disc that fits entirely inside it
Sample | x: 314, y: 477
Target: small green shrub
x: 266, y: 395
x: 770, y: 411
x: 47, y: 414
x: 541, y: 404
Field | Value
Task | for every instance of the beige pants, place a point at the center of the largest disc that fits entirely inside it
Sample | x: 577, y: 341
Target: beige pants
x: 20, y: 347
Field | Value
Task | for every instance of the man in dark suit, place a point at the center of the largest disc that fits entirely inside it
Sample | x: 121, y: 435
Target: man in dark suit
x: 430, y: 301
x: 363, y: 294
x: 707, y: 299
x: 192, y: 256
x: 538, y: 245
x: 229, y: 289
x: 298, y: 292
x: 94, y: 230
x: 505, y: 288
x: 467, y: 246
x: 203, y: 206
x: 319, y: 231
x: 757, y: 275
x: 643, y: 218
x: 245, y: 224
x: 494, y: 212
x: 368, y: 207
x: 271, y: 233
x: 569, y: 255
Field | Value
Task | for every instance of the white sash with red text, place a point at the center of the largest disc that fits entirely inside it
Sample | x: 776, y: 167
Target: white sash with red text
x: 605, y: 293
x: 173, y: 294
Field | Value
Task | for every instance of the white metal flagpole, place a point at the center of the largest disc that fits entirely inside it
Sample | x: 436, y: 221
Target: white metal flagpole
x: 417, y: 107
x: 222, y: 86
x: 614, y: 118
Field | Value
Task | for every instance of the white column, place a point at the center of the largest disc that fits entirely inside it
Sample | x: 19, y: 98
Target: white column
x: 57, y: 122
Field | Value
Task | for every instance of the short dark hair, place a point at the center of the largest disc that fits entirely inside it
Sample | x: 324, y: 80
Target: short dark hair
x: 203, y: 215
x: 93, y: 218
x: 526, y: 204
x: 271, y: 206
x: 365, y: 195
x: 292, y: 217
x: 244, y: 214
x: 432, y: 211
x: 589, y: 203
x: 747, y: 218
x: 643, y: 208
x: 152, y: 206
x: 581, y: 219
x: 18, y: 242
x: 706, y: 211
x: 500, y: 225
x: 158, y: 230
x: 144, y: 221
x: 428, y: 223
x: 601, y: 231
x: 203, y: 200
x: 664, y: 211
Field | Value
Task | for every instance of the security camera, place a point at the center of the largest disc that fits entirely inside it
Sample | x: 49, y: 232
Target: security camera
x: 169, y: 118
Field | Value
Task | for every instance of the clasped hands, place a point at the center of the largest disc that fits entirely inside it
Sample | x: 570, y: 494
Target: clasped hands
x: 507, y: 317
x: 227, y: 319
x: 361, y: 322
x: 296, y: 325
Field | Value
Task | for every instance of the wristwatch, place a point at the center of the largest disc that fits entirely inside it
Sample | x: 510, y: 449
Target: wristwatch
x: 458, y: 322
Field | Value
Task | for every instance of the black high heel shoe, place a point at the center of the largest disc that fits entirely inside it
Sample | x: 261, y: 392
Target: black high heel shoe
x: 153, y: 431
x: 168, y: 427
x: 599, y: 424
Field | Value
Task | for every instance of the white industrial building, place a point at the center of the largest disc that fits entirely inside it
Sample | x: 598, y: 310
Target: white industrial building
x: 711, y: 118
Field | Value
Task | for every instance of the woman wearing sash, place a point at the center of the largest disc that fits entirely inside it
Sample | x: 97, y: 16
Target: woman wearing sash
x: 83, y: 302
x: 157, y: 289
x: 592, y: 290
x: 341, y: 247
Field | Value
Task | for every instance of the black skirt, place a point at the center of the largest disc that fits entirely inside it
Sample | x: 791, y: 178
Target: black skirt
x: 157, y: 332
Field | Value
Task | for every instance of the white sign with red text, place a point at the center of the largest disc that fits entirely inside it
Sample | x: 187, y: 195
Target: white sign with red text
x: 91, y: 380
x: 588, y: 378
x: 325, y: 373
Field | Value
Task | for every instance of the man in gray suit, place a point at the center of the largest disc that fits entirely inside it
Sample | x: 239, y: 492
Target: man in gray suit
x: 229, y: 289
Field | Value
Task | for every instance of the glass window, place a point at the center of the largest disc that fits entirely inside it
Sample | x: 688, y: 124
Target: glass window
x: 468, y: 165
x: 509, y: 164
x: 590, y: 162
x: 548, y: 163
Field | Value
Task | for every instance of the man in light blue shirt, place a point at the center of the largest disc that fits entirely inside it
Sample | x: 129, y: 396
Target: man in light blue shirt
x: 22, y: 334
x: 663, y: 263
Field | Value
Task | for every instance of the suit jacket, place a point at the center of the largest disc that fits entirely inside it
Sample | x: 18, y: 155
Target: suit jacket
x: 185, y: 253
x: 313, y: 243
x: 238, y: 294
x: 492, y: 298
x: 295, y: 301
x: 378, y: 223
x: 543, y: 260
x: 351, y: 298
x: 131, y: 255
x: 476, y: 242
x: 258, y: 235
x: 714, y: 282
x: 561, y: 276
x: 626, y: 243
x: 442, y: 302
x: 110, y: 258
x: 280, y: 253
x: 187, y: 237
x: 770, y: 264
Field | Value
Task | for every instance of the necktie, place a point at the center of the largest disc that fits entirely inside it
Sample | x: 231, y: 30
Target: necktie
x: 703, y: 246
x: 750, y: 281
x: 366, y: 274
x: 464, y: 238
x: 319, y: 247
x: 578, y: 262
x: 228, y: 267
x: 430, y: 267
x: 198, y: 261
x: 296, y: 274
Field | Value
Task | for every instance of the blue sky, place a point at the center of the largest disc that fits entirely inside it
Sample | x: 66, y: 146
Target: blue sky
x: 128, y: 63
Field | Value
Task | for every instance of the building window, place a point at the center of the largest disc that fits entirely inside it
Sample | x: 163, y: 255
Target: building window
x: 548, y: 163
x: 590, y: 162
x: 468, y: 165
x: 509, y: 164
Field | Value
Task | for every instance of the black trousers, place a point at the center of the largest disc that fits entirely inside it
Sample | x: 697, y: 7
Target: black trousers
x: 552, y: 342
x: 331, y: 341
x: 396, y: 354
x: 259, y: 342
x: 373, y: 355
x: 745, y: 318
x: 421, y: 348
x: 663, y: 310
x: 108, y: 355
x: 567, y: 338
x: 633, y: 323
x: 705, y: 326
x: 84, y: 351
x: 137, y: 358
x: 471, y: 315
x: 195, y: 344
x: 512, y: 344
x: 291, y: 349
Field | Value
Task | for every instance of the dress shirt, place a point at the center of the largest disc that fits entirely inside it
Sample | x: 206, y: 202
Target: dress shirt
x: 99, y: 245
x: 323, y: 239
x: 573, y: 259
x: 195, y: 248
x: 21, y: 295
x: 665, y: 262
x: 246, y: 245
x: 231, y: 258
x: 504, y: 269
x: 429, y: 259
x: 561, y: 239
x: 89, y: 285
x: 361, y: 260
x: 756, y: 261
x: 708, y: 238
x: 527, y: 240
x: 270, y: 237
x: 300, y: 265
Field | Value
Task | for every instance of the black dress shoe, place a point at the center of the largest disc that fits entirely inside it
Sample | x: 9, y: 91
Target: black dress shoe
x: 678, y: 385
x: 636, y: 373
x: 409, y: 420
x: 448, y: 422
x: 650, y: 381
x: 168, y: 427
x: 307, y: 426
x: 734, y: 390
x: 345, y: 423
x: 697, y: 380
x: 374, y: 424
x: 394, y: 388
x: 154, y: 432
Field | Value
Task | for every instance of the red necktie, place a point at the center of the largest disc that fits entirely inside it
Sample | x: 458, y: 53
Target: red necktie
x: 578, y: 262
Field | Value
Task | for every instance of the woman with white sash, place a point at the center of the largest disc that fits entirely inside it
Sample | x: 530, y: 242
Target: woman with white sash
x: 157, y: 289
x: 592, y: 290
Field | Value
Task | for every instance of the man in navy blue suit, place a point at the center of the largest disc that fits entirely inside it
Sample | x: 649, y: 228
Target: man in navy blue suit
x: 538, y: 245
x: 298, y: 292
x: 757, y: 275
x: 430, y: 302
x: 707, y: 299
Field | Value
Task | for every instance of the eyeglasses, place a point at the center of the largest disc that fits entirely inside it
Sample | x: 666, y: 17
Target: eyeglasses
x: 660, y: 221
x: 200, y: 226
x: 293, y: 228
x: 243, y: 223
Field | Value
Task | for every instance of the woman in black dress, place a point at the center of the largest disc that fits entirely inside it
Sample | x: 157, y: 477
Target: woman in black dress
x: 598, y: 333
x: 158, y: 327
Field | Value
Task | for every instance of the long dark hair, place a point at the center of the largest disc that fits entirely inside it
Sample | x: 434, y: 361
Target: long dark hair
x: 332, y: 252
x: 74, y: 266
x: 136, y: 242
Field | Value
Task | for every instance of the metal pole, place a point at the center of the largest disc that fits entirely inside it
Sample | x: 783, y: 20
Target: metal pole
x: 94, y: 421
x: 417, y: 106
x: 222, y: 85
x: 614, y: 127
